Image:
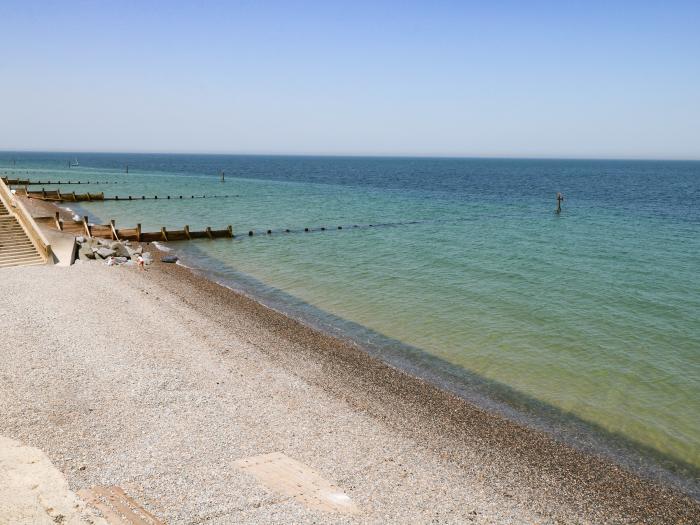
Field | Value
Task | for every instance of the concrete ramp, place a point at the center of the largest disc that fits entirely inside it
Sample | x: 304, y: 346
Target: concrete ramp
x: 34, y: 492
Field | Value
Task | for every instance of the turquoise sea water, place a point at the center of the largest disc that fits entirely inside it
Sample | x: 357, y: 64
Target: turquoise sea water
x: 591, y: 316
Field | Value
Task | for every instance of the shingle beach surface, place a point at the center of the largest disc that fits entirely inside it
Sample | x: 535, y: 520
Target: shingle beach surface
x: 160, y: 381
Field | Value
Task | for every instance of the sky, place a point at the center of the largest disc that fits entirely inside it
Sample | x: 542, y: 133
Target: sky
x: 487, y: 79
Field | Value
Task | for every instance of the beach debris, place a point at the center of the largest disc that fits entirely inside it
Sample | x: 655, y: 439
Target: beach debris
x: 169, y: 259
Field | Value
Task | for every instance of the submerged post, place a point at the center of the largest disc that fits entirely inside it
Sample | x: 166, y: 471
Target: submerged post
x: 560, y: 198
x: 222, y: 175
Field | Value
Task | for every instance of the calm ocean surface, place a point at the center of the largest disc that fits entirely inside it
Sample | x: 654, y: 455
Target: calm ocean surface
x: 590, y: 317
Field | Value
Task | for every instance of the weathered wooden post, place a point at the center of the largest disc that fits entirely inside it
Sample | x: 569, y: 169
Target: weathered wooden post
x: 86, y: 225
x: 230, y: 231
x: 115, y: 234
x: 187, y: 231
x: 163, y: 233
x: 560, y: 198
x: 138, y: 232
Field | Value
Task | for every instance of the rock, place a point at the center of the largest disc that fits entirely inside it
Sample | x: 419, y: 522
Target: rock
x: 105, y: 252
x: 120, y: 260
x: 133, y: 252
x: 120, y: 250
x: 80, y: 239
x: 147, y: 258
x: 85, y: 253
x: 105, y: 242
x: 169, y: 259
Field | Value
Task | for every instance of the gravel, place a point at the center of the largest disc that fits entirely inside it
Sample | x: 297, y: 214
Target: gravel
x: 159, y: 381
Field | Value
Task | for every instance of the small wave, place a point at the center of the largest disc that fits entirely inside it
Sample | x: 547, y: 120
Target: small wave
x: 161, y: 247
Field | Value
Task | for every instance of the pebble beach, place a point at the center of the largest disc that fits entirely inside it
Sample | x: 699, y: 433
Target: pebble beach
x: 161, y: 381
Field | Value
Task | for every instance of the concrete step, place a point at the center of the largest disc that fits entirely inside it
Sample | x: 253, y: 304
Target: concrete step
x: 22, y: 263
x: 19, y: 255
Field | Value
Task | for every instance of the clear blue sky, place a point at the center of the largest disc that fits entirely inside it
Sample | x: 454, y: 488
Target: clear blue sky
x: 553, y: 79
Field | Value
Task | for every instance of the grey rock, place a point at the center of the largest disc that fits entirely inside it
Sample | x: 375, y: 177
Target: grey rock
x: 105, y: 252
x: 133, y: 252
x: 169, y: 258
x: 147, y: 258
x: 86, y: 253
x: 120, y: 250
x: 120, y: 260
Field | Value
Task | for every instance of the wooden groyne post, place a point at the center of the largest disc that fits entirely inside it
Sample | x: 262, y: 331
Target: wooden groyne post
x: 560, y: 198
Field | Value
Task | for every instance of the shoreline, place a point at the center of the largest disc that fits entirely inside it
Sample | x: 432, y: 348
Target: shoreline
x: 524, y: 470
x: 485, y: 394
x: 398, y: 396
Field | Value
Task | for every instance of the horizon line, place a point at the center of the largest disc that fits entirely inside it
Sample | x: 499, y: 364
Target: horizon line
x: 353, y: 155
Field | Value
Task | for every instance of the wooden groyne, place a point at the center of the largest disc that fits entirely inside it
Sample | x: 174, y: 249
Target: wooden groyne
x: 59, y: 196
x: 110, y: 231
x: 28, y: 182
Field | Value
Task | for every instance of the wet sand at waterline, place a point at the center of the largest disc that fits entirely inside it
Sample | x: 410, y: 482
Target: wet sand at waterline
x: 160, y: 382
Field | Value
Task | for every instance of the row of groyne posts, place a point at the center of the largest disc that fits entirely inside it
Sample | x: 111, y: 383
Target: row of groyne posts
x: 110, y: 230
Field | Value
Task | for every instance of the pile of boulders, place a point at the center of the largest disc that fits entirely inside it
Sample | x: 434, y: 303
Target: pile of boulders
x: 114, y: 252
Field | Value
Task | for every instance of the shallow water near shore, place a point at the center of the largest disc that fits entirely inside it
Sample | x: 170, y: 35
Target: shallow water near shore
x: 594, y: 312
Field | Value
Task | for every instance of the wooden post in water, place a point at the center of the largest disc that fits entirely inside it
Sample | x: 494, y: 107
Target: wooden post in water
x: 222, y: 175
x: 163, y: 233
x: 560, y: 198
x: 187, y: 231
x: 138, y: 232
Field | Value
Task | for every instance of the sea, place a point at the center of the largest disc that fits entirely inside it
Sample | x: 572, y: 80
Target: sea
x: 584, y: 323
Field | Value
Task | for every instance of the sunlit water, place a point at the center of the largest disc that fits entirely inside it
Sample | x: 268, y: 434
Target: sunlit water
x: 593, y: 313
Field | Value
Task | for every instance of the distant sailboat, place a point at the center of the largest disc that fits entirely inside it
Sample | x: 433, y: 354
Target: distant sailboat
x: 75, y: 163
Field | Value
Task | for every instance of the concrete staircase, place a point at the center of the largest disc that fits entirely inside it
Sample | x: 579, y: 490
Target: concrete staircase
x: 16, y: 249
